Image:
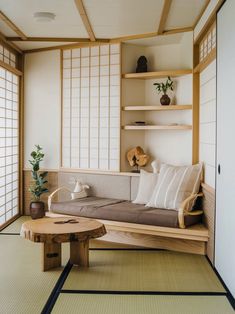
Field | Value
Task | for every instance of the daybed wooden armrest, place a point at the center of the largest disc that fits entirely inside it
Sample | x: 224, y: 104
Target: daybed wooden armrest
x: 50, y: 197
x: 183, y: 210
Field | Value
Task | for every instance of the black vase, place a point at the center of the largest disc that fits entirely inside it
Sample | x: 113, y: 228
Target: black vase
x: 37, y: 209
x: 165, y: 100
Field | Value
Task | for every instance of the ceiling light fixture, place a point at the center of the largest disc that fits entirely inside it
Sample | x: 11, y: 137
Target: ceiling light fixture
x: 44, y: 16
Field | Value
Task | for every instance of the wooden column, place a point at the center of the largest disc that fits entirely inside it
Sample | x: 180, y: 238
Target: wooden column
x: 51, y: 255
x: 79, y: 253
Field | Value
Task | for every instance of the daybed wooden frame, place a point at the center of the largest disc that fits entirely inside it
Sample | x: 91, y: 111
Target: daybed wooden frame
x: 189, y: 240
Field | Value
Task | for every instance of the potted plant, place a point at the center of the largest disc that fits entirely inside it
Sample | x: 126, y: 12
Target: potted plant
x: 38, y: 186
x: 163, y: 88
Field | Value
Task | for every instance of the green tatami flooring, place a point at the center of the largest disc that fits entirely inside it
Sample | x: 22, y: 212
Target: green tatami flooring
x: 117, y: 281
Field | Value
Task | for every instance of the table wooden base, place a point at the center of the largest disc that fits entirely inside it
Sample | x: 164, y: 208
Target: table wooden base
x: 51, y: 254
x: 79, y: 253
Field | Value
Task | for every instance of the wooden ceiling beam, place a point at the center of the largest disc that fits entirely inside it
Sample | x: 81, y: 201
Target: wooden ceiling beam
x: 201, y: 13
x: 149, y: 35
x: 84, y: 17
x: 12, y: 45
x: 12, y: 26
x: 177, y: 30
x: 164, y: 15
x: 57, y: 39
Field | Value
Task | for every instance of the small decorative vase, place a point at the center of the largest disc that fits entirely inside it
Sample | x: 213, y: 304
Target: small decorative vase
x: 165, y: 100
x: 37, y: 209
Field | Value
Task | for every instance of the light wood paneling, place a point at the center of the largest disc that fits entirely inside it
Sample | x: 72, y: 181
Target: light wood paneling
x: 52, y: 185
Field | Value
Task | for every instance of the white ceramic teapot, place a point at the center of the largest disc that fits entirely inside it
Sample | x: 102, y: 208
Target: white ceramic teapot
x: 79, y: 190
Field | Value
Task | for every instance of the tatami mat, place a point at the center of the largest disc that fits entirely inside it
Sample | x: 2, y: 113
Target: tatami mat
x: 144, y: 271
x: 131, y: 304
x: 24, y: 288
x: 16, y: 225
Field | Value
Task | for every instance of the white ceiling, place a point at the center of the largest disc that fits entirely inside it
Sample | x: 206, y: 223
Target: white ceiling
x: 109, y: 18
x: 184, y: 13
x: 123, y: 17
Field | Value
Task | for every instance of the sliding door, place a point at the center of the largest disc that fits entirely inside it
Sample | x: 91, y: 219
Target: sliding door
x: 225, y: 189
x: 9, y: 164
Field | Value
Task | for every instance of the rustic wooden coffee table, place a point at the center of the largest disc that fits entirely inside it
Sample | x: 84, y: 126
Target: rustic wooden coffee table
x: 51, y: 232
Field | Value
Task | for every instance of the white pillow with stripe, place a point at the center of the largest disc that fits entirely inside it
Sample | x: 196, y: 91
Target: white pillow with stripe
x: 174, y: 185
x: 147, y: 183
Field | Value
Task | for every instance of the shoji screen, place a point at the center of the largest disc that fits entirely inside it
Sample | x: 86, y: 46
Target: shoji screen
x: 91, y: 108
x: 8, y: 145
x: 225, y: 178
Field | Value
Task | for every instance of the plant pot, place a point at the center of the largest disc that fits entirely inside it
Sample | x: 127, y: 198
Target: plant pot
x: 165, y: 100
x: 37, y: 209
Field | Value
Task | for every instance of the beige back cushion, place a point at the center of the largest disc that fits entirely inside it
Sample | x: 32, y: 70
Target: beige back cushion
x: 174, y: 185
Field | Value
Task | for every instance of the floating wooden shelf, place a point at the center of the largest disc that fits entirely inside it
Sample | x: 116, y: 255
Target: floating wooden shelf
x: 157, y: 108
x: 158, y: 74
x: 157, y: 127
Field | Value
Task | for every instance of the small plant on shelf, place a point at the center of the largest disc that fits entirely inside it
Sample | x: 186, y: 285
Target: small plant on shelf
x: 38, y: 187
x: 163, y: 88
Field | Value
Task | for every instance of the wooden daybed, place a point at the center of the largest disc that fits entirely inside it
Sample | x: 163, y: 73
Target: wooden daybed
x: 192, y: 239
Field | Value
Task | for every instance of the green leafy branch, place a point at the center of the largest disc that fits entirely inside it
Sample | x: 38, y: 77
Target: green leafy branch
x: 38, y: 187
x: 164, y: 87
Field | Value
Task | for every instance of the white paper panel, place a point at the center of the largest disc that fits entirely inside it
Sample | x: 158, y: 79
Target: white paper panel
x: 91, y: 108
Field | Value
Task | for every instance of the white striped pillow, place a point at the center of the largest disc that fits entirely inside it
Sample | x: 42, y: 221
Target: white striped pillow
x: 174, y: 185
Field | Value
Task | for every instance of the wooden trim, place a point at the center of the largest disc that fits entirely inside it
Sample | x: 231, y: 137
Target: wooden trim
x: 149, y: 35
x: 209, y: 188
x: 21, y: 138
x: 157, y: 74
x: 10, y: 68
x: 12, y: 46
x: 102, y: 172
x: 164, y: 15
x: 177, y: 30
x: 157, y: 108
x: 209, y: 22
x: 61, y: 106
x: 3, y: 226
x: 157, y: 127
x: 57, y: 39
x: 12, y: 26
x: 84, y: 17
x: 205, y: 62
x: 195, y: 119
x: 42, y: 169
x: 201, y: 13
x: 69, y: 46
x: 130, y: 174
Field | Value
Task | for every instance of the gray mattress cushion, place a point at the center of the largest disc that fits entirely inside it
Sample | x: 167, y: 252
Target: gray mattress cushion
x: 120, y: 210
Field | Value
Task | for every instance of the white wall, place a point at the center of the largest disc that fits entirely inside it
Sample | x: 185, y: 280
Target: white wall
x: 169, y: 146
x: 208, y: 122
x: 42, y: 106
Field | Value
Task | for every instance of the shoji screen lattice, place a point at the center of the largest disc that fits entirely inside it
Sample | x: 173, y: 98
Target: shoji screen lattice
x: 91, y: 108
x: 8, y: 145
